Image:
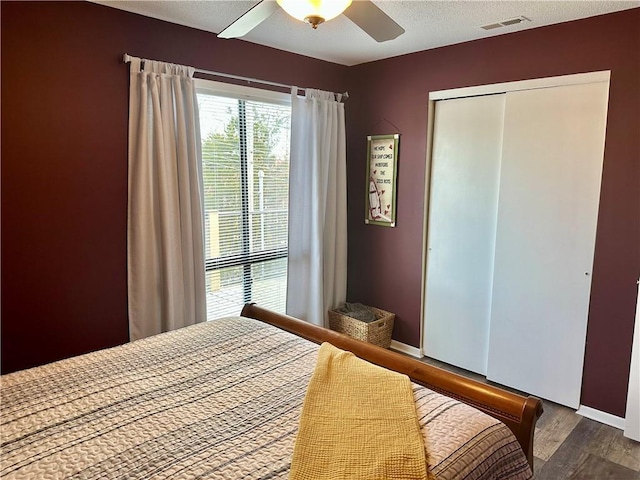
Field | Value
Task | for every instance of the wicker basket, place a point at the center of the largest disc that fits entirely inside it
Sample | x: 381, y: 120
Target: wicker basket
x: 377, y: 332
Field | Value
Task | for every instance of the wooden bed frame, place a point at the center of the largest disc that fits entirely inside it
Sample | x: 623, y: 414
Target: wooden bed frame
x: 517, y: 412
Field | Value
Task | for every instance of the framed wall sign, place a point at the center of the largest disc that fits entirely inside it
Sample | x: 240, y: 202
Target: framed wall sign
x: 382, y: 158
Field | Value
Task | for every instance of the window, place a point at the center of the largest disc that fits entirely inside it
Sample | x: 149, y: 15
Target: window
x: 245, y: 164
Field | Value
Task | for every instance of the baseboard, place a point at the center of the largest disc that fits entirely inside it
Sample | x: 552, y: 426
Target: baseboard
x: 602, y: 417
x: 404, y: 348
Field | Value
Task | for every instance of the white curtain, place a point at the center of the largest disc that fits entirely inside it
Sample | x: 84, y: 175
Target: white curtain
x: 165, y: 256
x: 317, y: 265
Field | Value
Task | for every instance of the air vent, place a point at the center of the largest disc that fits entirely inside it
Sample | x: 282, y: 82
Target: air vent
x: 505, y: 23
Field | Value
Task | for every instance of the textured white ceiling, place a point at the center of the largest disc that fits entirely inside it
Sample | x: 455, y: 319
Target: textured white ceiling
x: 428, y: 24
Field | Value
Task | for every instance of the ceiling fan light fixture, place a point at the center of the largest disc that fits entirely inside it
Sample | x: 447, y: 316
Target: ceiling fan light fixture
x: 314, y: 12
x: 314, y: 21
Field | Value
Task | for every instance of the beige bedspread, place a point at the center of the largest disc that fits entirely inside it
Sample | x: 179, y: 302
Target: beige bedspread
x: 219, y: 400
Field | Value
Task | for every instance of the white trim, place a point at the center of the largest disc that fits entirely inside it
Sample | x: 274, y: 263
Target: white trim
x: 574, y: 79
x: 404, y: 348
x: 632, y: 416
x: 602, y: 417
x: 240, y: 91
x: 431, y: 106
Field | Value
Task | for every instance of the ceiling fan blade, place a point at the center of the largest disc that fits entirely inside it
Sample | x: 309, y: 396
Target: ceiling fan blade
x: 377, y: 24
x: 250, y: 20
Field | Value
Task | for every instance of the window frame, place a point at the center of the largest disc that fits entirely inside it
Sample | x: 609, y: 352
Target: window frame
x: 246, y: 259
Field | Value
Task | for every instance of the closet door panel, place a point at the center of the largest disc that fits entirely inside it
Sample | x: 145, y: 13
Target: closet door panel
x: 461, y: 229
x: 547, y: 212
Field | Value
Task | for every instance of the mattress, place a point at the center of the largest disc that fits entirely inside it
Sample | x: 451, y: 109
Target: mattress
x: 218, y: 400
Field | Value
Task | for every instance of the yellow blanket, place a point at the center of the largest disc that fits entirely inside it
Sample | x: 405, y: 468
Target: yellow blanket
x: 358, y: 421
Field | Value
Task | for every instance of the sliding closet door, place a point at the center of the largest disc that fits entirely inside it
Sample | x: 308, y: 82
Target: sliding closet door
x: 547, y: 212
x: 462, y: 225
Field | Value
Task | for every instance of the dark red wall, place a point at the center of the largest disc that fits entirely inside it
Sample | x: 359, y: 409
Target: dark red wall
x: 391, y: 96
x: 64, y: 167
x: 64, y: 162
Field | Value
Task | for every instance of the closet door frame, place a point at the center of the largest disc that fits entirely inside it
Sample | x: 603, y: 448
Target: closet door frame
x: 546, y: 82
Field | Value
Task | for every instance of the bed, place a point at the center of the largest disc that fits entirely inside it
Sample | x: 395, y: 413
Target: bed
x: 221, y: 400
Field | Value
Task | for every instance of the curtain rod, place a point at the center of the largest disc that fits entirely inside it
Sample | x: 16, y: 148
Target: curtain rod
x: 127, y: 59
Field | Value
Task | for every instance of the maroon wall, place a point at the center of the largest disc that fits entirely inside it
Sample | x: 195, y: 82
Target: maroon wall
x: 64, y: 167
x: 64, y: 162
x: 391, y: 96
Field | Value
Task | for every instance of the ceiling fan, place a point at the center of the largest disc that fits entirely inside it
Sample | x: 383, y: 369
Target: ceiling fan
x: 364, y: 13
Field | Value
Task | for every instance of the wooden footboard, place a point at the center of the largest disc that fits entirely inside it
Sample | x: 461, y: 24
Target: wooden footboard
x: 517, y: 412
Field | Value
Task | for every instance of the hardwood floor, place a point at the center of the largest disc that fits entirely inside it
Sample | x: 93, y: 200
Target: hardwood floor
x: 568, y: 446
